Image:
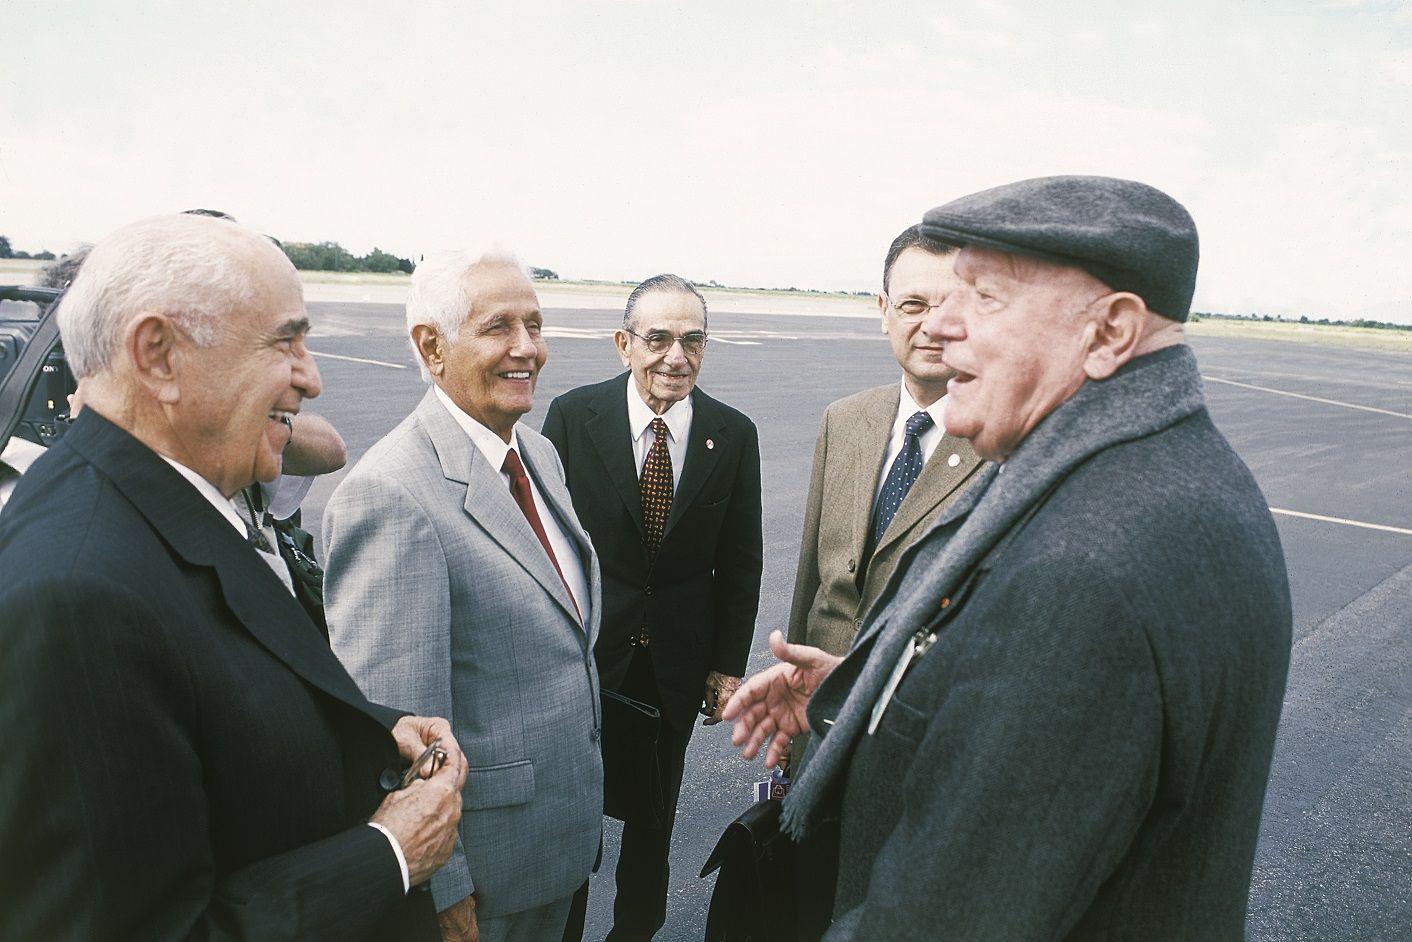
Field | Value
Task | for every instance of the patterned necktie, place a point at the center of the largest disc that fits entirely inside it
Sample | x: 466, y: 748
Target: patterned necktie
x: 656, y: 486
x: 254, y: 534
x: 256, y: 538
x: 902, y: 475
x: 520, y: 489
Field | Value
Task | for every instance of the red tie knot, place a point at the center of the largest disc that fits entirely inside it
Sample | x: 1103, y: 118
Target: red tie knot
x: 513, y: 466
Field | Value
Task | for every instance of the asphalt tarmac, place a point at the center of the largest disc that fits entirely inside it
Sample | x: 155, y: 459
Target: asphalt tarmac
x: 1326, y: 432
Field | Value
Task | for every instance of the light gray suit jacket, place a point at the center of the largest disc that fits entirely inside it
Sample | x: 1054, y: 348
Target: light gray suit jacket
x: 442, y: 601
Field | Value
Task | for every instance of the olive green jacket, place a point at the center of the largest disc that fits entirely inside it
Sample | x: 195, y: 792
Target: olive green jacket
x: 831, y: 596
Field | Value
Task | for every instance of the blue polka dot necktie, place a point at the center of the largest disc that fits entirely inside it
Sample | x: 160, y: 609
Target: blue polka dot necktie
x: 902, y: 475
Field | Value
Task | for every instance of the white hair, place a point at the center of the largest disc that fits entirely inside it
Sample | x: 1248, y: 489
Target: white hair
x: 194, y: 269
x: 440, y: 295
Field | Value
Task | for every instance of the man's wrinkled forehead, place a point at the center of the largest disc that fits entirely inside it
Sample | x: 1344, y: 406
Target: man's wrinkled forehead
x: 973, y: 262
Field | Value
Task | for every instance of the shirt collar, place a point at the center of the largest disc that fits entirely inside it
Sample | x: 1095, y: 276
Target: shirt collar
x: 492, y: 446
x: 907, y: 407
x: 640, y: 415
x: 211, y: 493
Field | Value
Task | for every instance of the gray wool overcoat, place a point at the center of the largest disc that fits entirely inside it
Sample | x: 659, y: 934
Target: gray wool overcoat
x: 1083, y: 752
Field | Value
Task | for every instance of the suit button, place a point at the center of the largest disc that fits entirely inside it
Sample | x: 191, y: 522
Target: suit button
x: 596, y: 735
x: 852, y: 565
x: 648, y: 590
x: 389, y: 779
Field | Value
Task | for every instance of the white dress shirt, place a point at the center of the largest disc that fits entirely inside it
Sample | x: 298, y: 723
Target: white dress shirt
x: 494, y: 448
x: 678, y: 419
x: 928, y: 440
x: 226, y: 509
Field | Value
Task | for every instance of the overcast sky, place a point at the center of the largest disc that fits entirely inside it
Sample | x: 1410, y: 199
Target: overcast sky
x: 770, y: 144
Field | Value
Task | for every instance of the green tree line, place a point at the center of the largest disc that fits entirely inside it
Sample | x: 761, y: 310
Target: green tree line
x: 7, y: 252
x: 330, y: 256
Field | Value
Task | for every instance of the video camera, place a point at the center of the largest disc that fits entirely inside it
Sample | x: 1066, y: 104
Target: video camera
x: 35, y: 380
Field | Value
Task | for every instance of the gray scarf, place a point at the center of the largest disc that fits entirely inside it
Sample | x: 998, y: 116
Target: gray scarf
x: 1145, y: 396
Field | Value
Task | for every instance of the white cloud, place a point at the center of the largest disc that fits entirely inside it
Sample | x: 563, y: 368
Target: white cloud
x: 743, y: 142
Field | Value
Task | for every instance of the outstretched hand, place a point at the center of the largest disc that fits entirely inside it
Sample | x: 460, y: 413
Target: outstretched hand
x: 769, y: 707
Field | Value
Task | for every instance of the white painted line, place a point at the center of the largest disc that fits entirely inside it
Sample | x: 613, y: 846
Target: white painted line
x: 336, y: 356
x: 1292, y: 395
x: 1348, y: 523
x: 738, y: 343
x: 583, y: 333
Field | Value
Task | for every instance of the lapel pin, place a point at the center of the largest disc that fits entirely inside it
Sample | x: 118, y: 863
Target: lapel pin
x: 710, y: 444
x: 953, y: 461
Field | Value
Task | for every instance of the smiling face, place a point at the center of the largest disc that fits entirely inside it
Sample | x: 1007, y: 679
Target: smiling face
x: 918, y: 275
x: 662, y: 378
x: 1017, y: 333
x: 236, y: 393
x: 491, y: 369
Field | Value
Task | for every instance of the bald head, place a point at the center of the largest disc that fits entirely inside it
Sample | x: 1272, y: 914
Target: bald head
x: 194, y: 269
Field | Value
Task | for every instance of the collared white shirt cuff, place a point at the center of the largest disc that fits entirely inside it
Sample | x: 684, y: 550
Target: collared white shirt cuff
x: 401, y: 860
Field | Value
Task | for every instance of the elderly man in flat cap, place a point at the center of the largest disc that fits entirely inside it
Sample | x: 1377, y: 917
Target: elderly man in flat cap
x: 1057, y: 722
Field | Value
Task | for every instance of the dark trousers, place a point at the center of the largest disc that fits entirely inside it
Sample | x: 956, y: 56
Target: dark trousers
x: 640, y: 906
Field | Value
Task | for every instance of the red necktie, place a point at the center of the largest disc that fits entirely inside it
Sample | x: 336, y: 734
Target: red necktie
x: 655, y: 485
x: 520, y: 488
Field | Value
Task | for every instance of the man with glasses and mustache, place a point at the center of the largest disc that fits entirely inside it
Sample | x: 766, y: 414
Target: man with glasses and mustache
x: 666, y: 480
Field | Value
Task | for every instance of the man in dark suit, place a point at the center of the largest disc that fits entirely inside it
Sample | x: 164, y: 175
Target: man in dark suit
x: 186, y: 757
x: 667, y: 482
x: 1057, y: 722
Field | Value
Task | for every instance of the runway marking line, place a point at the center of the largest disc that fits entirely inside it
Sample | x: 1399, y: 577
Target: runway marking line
x: 339, y: 356
x: 1294, y: 395
x: 1341, y: 520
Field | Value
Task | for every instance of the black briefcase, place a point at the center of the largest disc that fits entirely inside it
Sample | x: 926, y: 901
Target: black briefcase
x: 632, y: 776
x: 759, y: 893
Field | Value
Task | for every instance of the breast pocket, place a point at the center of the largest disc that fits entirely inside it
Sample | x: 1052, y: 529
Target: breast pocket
x: 903, y: 721
x: 498, y: 786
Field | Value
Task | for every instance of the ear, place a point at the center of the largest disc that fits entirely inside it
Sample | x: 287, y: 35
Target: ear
x: 621, y: 340
x: 429, y: 348
x: 1117, y: 331
x: 151, y: 342
x: 882, y: 311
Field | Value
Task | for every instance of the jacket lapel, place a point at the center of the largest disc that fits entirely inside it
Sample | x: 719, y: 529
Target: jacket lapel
x: 488, y: 499
x: 937, y: 482
x: 707, y: 424
x: 198, y: 533
x: 612, y: 437
x: 542, y: 469
x: 870, y: 437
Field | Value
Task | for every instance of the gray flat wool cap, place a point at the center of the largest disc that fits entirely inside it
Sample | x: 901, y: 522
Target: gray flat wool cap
x: 1128, y: 235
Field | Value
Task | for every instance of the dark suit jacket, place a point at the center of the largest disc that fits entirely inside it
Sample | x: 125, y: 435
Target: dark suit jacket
x: 185, y: 757
x: 700, y: 593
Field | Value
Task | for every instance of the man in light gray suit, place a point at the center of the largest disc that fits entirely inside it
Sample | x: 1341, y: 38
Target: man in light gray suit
x: 460, y: 584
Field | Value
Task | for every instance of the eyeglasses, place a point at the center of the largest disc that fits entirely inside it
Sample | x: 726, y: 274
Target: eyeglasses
x: 693, y: 342
x: 912, y: 309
